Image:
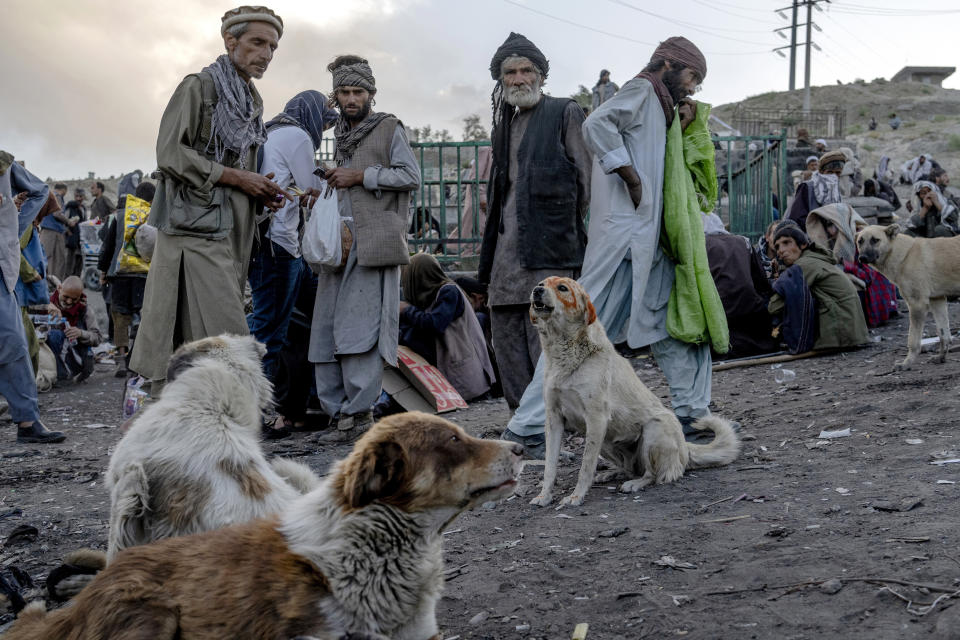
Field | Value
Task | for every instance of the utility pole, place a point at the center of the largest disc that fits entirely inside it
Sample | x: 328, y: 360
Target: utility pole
x: 806, y: 75
x: 793, y: 47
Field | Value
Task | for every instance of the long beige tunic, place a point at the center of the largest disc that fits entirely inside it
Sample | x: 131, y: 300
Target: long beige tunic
x: 195, y: 286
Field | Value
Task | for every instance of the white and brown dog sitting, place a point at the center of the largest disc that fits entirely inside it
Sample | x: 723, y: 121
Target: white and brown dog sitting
x: 358, y: 557
x: 192, y: 461
x: 591, y: 389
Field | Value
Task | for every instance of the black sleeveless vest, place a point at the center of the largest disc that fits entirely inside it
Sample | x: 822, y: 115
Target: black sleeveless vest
x: 551, y: 232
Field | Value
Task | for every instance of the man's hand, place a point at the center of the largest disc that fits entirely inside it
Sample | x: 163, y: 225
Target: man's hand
x: 263, y: 188
x: 103, y: 278
x: 403, y: 306
x: 310, y: 197
x: 36, y: 278
x: 72, y: 333
x: 343, y: 178
x: 53, y: 310
x: 635, y: 188
x: 931, y: 203
x: 687, y: 111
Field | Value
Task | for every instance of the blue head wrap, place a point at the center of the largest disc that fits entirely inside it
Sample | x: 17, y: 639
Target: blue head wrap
x: 309, y: 111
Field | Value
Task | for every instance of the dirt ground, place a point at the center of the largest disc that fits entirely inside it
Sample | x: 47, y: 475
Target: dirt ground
x: 758, y: 537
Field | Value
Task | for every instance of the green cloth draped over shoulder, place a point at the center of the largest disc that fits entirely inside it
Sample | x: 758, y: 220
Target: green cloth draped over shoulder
x: 695, y: 313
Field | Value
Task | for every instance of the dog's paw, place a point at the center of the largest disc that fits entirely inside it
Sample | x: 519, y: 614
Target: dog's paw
x: 635, y: 485
x: 604, y: 477
x: 938, y: 359
x: 902, y: 366
x: 572, y: 500
x: 542, y: 500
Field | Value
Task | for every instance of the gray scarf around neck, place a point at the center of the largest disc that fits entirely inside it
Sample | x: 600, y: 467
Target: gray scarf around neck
x: 349, y: 139
x: 237, y: 124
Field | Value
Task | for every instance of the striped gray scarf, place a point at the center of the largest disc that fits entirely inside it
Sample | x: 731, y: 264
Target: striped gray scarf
x: 237, y: 125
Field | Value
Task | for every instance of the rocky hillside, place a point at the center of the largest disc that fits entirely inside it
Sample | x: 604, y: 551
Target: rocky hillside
x: 931, y: 118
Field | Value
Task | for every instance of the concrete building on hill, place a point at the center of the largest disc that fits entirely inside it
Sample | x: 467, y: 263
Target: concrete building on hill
x: 924, y: 75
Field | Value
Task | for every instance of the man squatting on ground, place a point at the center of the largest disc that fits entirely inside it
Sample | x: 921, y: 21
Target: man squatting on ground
x: 540, y: 189
x: 355, y: 321
x: 625, y: 271
x: 18, y: 383
x: 208, y: 195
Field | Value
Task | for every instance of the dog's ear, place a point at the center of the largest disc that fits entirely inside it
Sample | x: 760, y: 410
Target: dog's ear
x: 377, y: 472
x: 892, y: 230
x: 591, y: 312
x: 180, y: 362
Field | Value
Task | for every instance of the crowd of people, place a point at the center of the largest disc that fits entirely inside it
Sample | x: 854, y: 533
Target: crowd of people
x: 226, y: 211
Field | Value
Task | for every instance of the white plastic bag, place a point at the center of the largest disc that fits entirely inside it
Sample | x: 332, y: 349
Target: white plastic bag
x: 321, y: 234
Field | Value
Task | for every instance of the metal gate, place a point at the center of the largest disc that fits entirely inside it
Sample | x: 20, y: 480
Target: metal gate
x: 754, y: 181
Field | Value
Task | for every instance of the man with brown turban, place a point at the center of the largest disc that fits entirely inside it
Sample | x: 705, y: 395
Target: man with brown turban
x: 208, y: 195
x: 540, y: 190
x: 625, y: 271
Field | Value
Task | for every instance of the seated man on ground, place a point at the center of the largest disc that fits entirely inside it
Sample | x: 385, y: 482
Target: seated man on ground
x: 745, y: 292
x: 840, y: 322
x: 439, y: 323
x: 72, y: 345
x: 933, y: 215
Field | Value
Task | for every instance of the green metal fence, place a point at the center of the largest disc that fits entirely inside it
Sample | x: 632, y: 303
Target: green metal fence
x: 447, y: 207
x: 750, y: 178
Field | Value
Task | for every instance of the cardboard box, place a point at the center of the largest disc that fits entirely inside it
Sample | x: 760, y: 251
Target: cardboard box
x: 428, y: 381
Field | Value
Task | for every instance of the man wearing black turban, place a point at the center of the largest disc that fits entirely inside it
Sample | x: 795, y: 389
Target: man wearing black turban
x: 539, y: 193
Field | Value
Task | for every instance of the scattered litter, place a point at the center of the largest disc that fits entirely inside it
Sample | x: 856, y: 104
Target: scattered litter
x: 23, y: 533
x: 479, y: 618
x: 449, y: 533
x: 946, y: 482
x: 909, y: 540
x: 563, y: 515
x: 948, y: 461
x: 680, y: 600
x: 832, y: 586
x: 730, y: 519
x: 816, y: 444
x: 778, y: 532
x: 580, y: 631
x: 673, y: 563
x: 842, y: 490
x: 522, y: 628
x: 840, y: 433
x: 11, y: 512
x: 613, y: 533
x: 913, y: 441
x: 98, y: 425
x: 904, y: 505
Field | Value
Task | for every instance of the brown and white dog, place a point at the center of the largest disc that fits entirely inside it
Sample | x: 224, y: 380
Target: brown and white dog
x: 359, y: 556
x: 192, y: 461
x: 588, y: 387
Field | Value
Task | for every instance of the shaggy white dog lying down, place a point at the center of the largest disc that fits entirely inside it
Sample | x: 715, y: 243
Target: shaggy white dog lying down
x: 192, y: 461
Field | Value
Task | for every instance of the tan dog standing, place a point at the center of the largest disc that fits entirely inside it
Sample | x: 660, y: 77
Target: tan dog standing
x: 926, y: 270
x: 590, y: 388
x: 358, y: 557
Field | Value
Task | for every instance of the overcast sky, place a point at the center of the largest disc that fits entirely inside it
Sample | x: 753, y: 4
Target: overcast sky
x: 85, y: 81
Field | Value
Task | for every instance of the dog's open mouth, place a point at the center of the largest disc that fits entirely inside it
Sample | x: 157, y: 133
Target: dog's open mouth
x: 539, y: 305
x: 503, y: 486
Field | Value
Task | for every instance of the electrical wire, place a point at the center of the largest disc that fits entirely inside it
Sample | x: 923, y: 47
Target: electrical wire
x: 626, y: 38
x: 688, y: 25
x: 735, y: 15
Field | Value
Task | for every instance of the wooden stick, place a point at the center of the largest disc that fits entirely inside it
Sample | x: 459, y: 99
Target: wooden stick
x: 733, y: 364
x: 811, y: 583
x: 717, y: 502
x: 730, y: 519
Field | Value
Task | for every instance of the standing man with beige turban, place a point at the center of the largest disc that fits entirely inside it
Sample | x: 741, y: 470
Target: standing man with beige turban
x: 356, y: 320
x: 208, y: 195
x: 625, y: 270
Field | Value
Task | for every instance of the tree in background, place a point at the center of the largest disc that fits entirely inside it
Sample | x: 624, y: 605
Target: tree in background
x: 427, y: 134
x: 473, y: 131
x: 583, y: 97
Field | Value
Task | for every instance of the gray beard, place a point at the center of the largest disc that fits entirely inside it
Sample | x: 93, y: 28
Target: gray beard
x: 522, y: 97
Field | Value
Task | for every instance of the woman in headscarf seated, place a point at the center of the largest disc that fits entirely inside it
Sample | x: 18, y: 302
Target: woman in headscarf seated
x: 821, y: 189
x: 840, y: 319
x: 438, y: 322
x: 835, y: 227
x: 933, y: 216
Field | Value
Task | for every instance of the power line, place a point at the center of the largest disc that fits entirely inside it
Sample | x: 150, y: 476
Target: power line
x: 735, y: 15
x: 621, y: 37
x: 859, y: 9
x: 688, y: 25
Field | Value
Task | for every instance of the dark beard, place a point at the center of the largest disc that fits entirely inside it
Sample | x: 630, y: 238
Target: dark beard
x: 671, y: 79
x: 360, y: 117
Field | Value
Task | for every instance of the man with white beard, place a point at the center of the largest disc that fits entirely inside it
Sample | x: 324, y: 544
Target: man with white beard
x: 540, y: 191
